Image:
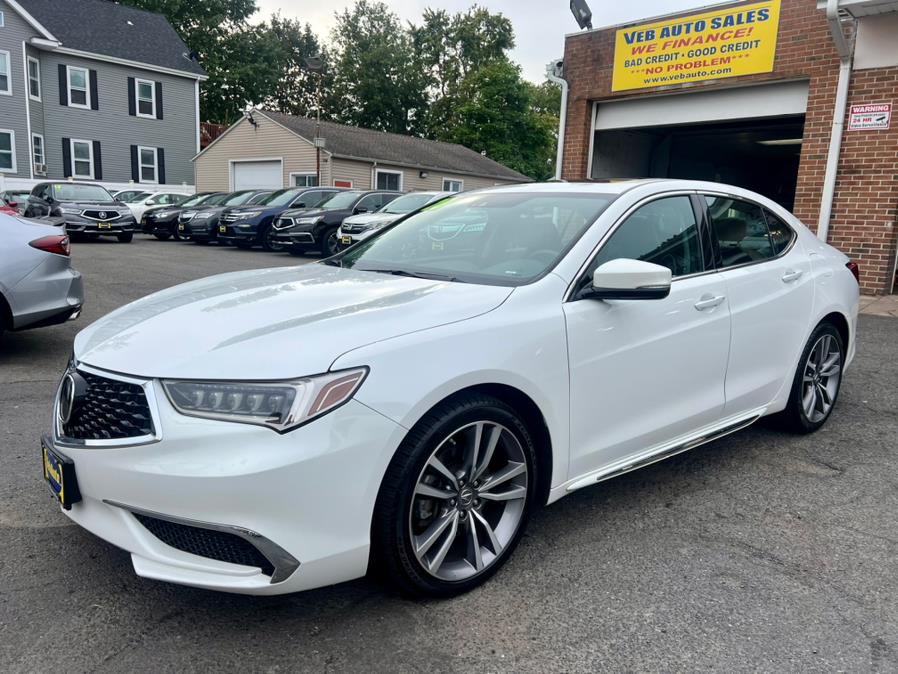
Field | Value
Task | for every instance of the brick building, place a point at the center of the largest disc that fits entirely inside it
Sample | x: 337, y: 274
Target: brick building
x: 782, y: 128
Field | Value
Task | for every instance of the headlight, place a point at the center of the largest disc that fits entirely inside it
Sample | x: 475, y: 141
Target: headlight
x: 308, y: 221
x: 281, y: 406
x: 66, y: 210
x: 377, y: 225
x: 204, y: 215
x: 162, y: 214
x: 249, y: 214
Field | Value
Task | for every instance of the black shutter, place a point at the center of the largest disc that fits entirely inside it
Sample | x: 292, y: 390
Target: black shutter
x: 135, y: 169
x: 63, y: 85
x: 94, y: 95
x: 159, y: 102
x: 132, y: 97
x: 160, y: 169
x: 98, y: 161
x: 66, y: 158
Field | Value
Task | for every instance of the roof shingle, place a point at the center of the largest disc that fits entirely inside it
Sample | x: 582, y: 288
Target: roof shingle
x: 105, y: 28
x: 393, y: 148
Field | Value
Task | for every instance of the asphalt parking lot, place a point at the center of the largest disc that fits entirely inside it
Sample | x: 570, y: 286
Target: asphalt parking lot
x: 759, y: 552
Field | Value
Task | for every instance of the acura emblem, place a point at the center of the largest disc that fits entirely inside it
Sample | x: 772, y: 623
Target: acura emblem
x: 66, y: 398
x: 102, y: 215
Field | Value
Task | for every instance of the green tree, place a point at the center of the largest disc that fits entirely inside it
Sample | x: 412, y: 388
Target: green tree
x: 378, y: 81
x: 496, y: 115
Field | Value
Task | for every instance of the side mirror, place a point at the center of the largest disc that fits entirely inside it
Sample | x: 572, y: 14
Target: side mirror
x: 625, y: 279
x: 360, y: 209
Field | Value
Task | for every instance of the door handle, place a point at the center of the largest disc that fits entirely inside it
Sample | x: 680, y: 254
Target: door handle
x: 791, y: 275
x: 709, y: 302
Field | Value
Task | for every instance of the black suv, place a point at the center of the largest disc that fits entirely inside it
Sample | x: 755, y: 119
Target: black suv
x: 248, y: 226
x: 84, y: 208
x: 204, y: 226
x: 162, y: 221
x: 301, y: 230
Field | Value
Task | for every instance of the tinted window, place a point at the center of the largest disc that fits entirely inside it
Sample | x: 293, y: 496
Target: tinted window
x: 740, y: 229
x: 315, y: 198
x: 76, y: 192
x: 780, y: 233
x: 340, y: 201
x: 370, y: 203
x: 662, y: 232
x: 407, y: 203
x: 495, y: 238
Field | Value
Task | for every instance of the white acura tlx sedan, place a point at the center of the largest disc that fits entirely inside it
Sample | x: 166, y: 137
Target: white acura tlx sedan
x: 408, y: 403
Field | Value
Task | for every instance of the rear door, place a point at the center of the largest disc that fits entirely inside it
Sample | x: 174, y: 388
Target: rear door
x: 768, y: 281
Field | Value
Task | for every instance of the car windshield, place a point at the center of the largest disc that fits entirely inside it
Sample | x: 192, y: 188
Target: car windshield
x: 496, y: 238
x: 406, y: 204
x: 133, y: 198
x: 76, y: 192
x: 215, y: 199
x: 194, y: 200
x: 280, y: 198
x: 340, y: 200
x: 237, y: 199
x: 259, y: 198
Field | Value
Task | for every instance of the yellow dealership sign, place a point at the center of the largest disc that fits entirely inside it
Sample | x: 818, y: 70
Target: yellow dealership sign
x: 735, y: 41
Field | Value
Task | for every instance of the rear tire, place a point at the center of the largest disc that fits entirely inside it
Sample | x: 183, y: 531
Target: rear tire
x: 817, y: 381
x: 456, y: 533
x: 125, y: 237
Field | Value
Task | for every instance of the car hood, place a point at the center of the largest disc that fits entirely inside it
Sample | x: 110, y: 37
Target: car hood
x: 272, y: 323
x: 372, y: 218
x: 101, y: 205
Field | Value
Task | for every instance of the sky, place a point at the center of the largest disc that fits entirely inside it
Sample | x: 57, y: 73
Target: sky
x: 539, y: 25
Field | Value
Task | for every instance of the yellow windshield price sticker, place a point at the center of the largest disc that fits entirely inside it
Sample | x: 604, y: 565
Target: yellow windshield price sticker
x: 713, y: 45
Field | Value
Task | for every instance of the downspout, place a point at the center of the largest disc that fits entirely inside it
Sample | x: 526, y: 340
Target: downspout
x: 554, y: 72
x: 845, y: 50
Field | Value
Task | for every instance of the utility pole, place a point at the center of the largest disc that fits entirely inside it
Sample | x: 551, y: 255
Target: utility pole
x: 315, y: 64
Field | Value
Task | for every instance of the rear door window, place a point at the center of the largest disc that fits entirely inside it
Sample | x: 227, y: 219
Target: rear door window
x: 741, y: 231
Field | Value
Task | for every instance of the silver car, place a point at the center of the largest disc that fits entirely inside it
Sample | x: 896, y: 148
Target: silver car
x: 38, y: 286
x: 357, y: 228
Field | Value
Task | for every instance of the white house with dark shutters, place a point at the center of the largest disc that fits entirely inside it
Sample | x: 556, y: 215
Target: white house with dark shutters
x: 92, y: 90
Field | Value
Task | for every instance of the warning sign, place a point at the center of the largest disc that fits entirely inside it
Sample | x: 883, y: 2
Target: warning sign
x: 870, y: 117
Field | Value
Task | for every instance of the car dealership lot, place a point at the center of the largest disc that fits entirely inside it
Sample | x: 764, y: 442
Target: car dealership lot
x: 757, y: 552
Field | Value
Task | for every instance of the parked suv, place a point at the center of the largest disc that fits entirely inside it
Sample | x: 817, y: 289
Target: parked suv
x: 357, y: 228
x: 162, y: 221
x: 84, y: 208
x: 188, y: 214
x: 248, y: 226
x: 203, y: 227
x: 316, y: 229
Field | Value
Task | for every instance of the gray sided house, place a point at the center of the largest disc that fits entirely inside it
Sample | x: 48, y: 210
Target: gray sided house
x: 92, y: 90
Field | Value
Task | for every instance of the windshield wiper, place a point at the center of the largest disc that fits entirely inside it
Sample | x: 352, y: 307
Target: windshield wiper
x: 332, y: 263
x: 423, y: 275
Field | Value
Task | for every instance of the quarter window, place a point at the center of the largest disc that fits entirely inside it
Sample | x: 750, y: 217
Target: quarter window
x: 34, y: 78
x: 780, y: 233
x: 82, y: 159
x: 7, y: 151
x: 146, y: 98
x: 662, y: 232
x: 740, y: 229
x: 148, y: 165
x: 5, y: 75
x: 78, y: 96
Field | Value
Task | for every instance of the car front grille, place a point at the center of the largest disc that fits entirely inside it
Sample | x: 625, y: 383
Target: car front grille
x: 109, y: 409
x: 103, y: 216
x: 229, y: 217
x: 186, y: 217
x: 219, y: 545
x: 283, y: 223
x: 351, y: 228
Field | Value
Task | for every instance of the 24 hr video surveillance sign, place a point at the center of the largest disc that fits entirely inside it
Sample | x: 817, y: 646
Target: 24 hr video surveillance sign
x: 725, y: 43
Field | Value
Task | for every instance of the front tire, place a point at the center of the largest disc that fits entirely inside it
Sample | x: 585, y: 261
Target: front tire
x: 816, y: 385
x: 329, y: 245
x: 456, y: 497
x: 162, y: 236
x: 125, y: 237
x: 268, y: 242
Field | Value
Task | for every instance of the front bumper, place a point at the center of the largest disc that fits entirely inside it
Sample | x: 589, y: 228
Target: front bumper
x: 84, y: 226
x: 295, y: 238
x: 346, y: 239
x: 309, y: 493
x: 50, y: 294
x: 238, y: 231
x: 157, y: 226
x: 200, y: 230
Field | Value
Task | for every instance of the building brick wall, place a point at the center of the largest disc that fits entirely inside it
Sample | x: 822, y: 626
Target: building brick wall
x: 864, y: 209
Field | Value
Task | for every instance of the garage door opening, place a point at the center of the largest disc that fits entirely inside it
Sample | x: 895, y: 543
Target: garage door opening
x: 265, y: 174
x: 760, y: 154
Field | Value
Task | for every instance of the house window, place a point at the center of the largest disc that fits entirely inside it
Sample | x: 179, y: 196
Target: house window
x: 146, y: 98
x: 452, y: 185
x: 5, y: 74
x: 78, y: 91
x: 82, y: 159
x: 37, y: 149
x: 304, y: 179
x: 388, y: 180
x: 34, y: 78
x: 7, y: 151
x: 2, y: 20
x: 149, y: 169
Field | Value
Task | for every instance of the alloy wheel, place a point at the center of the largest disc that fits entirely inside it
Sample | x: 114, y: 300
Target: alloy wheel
x: 269, y: 243
x: 333, y: 243
x: 822, y: 374
x: 469, y: 501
